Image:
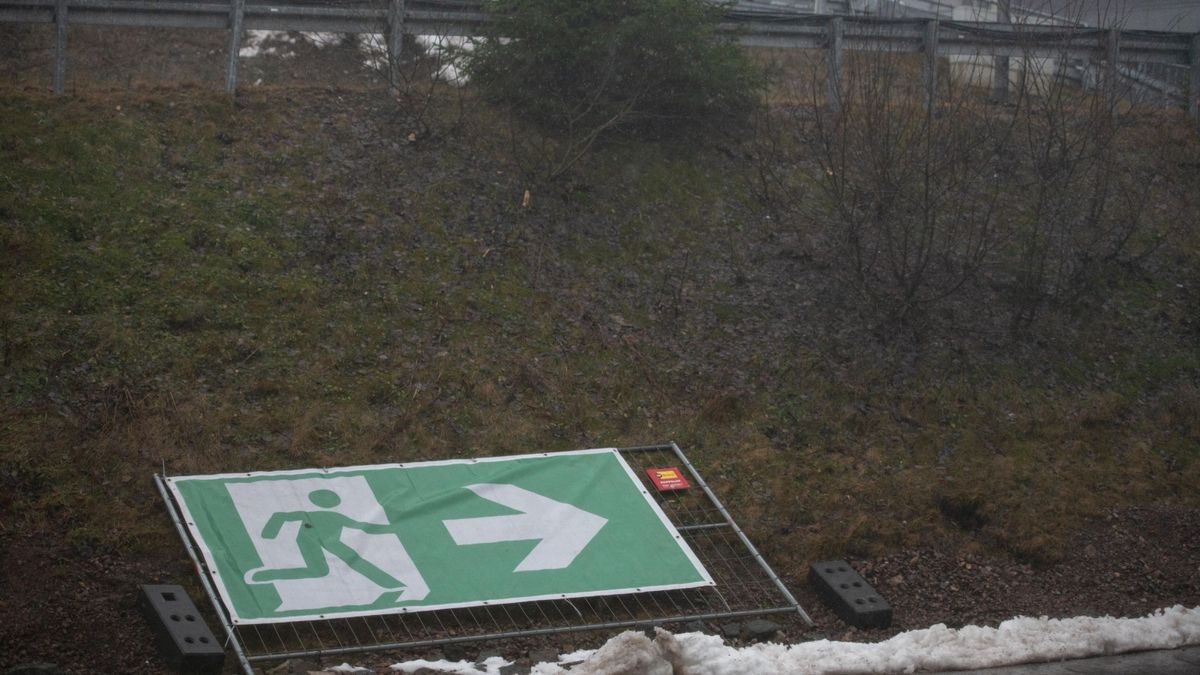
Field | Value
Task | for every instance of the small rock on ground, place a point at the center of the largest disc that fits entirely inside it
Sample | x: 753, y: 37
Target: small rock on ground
x: 760, y: 630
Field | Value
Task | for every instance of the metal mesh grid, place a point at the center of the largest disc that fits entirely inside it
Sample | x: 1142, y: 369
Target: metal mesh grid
x: 745, y: 586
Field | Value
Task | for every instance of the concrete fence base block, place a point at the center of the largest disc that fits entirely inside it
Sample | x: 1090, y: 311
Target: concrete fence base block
x: 849, y: 595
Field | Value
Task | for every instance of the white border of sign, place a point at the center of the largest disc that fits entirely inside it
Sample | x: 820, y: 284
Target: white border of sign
x: 210, y: 562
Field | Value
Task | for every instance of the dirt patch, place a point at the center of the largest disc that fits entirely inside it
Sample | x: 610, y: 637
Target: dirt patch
x: 1127, y: 564
x: 79, y: 611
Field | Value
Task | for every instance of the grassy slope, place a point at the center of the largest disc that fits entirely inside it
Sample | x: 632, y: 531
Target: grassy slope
x: 281, y: 284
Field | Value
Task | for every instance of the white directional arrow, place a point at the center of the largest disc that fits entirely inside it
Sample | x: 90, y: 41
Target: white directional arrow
x: 564, y: 530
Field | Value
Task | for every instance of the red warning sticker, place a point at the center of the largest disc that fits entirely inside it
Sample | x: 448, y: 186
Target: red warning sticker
x: 668, y: 479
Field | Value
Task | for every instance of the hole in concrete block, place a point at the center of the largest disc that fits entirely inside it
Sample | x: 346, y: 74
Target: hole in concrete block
x: 858, y: 601
x: 174, y: 617
x: 169, y: 597
x: 189, y: 617
x: 841, y: 569
x: 872, y: 600
x: 189, y: 640
x: 858, y: 584
x: 828, y: 570
x: 205, y: 640
x: 845, y: 585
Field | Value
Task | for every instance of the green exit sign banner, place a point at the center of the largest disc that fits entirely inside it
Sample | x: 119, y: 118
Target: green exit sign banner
x: 385, y: 539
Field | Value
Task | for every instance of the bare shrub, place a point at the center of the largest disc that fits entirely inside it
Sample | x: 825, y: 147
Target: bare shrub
x: 1081, y: 192
x: 912, y: 196
x: 903, y: 195
x: 423, y: 78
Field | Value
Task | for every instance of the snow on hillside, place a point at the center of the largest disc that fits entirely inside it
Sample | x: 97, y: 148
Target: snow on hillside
x: 371, y: 46
x: 1018, y: 640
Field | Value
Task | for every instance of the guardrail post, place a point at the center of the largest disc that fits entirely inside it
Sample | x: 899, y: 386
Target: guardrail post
x: 834, y: 79
x: 1000, y: 73
x: 395, y: 41
x: 60, y: 46
x: 1194, y: 83
x: 1112, y: 54
x: 931, y: 56
x: 1000, y: 64
x: 237, y: 9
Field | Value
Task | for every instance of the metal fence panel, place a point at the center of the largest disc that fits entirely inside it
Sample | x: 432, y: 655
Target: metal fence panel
x: 745, y: 586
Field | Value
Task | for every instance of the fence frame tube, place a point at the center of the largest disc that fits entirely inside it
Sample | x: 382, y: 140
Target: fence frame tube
x: 741, y: 535
x: 202, y: 572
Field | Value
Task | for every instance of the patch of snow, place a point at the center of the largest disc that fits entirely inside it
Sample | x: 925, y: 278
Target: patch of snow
x: 323, y: 39
x: 491, y: 666
x: 347, y: 668
x: 576, y: 656
x: 1018, y: 640
x: 374, y: 50
x: 444, y: 49
x: 447, y: 49
x: 254, y: 40
x: 272, y: 42
x: 629, y: 652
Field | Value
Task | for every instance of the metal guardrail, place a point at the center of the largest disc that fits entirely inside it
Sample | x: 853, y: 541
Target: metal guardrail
x: 754, y: 23
x: 962, y: 38
x: 459, y: 18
